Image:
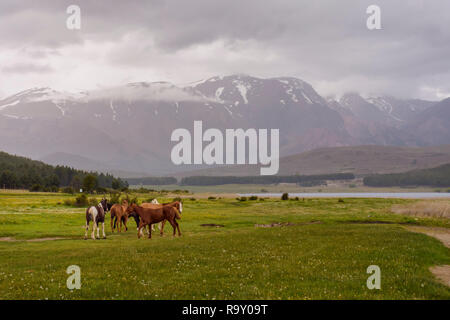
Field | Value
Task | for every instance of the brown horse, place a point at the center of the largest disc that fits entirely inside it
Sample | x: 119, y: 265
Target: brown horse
x: 176, y: 204
x: 118, y: 213
x: 150, y: 216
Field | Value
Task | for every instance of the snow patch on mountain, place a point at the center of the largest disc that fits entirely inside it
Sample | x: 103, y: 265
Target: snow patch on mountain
x: 243, y: 88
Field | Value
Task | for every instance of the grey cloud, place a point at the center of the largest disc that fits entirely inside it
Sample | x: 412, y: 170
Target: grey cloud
x: 22, y: 68
x: 323, y: 42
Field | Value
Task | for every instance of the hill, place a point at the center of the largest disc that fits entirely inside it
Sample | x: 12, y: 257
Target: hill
x: 360, y: 160
x: 23, y: 173
x: 435, y: 177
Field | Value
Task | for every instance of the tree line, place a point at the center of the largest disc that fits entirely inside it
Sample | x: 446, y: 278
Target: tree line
x: 152, y: 181
x: 298, y: 179
x: 23, y: 173
x: 435, y: 177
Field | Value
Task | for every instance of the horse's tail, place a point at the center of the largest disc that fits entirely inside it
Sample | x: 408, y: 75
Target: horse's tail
x: 177, y: 213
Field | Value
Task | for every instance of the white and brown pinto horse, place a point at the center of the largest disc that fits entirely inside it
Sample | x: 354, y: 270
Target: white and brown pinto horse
x: 96, y: 214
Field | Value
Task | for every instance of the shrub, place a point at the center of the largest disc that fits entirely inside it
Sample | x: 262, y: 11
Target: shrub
x: 115, y: 197
x: 177, y: 199
x: 193, y: 199
x: 93, y: 202
x: 101, y: 190
x: 36, y: 188
x: 211, y: 198
x: 285, y: 196
x: 81, y: 200
x: 68, y: 190
x: 341, y: 200
x: 130, y: 200
x: 243, y: 199
x: 253, y: 198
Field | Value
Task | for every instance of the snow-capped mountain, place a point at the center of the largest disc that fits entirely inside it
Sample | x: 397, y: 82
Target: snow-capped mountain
x: 129, y: 127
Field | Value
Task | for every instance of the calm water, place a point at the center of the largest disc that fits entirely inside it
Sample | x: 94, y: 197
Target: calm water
x: 401, y: 195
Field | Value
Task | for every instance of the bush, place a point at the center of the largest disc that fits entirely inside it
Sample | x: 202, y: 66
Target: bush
x: 93, y: 202
x: 68, y: 190
x: 101, y: 190
x: 211, y: 198
x: 176, y: 199
x: 36, y: 188
x: 285, y: 196
x: 243, y: 199
x: 81, y: 201
x: 253, y: 198
x: 133, y: 200
x: 341, y: 200
x: 193, y: 199
x: 114, y: 197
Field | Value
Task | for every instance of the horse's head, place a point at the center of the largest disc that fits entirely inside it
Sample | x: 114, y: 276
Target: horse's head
x: 104, y: 204
x: 179, y: 206
x: 125, y: 202
x: 130, y: 209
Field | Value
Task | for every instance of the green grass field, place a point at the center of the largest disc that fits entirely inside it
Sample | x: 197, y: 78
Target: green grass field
x: 326, y: 259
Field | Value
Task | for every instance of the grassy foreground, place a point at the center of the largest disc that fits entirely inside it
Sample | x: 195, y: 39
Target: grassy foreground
x: 323, y: 256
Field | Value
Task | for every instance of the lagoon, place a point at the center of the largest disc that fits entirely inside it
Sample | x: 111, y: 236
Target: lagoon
x: 395, y: 195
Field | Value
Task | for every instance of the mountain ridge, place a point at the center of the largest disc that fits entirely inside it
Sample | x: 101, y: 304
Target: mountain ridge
x: 128, y: 127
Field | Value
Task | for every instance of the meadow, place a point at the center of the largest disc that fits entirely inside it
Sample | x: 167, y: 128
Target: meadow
x: 321, y: 252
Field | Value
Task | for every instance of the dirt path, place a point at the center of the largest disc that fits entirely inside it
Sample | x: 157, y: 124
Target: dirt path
x: 442, y: 234
x: 9, y: 239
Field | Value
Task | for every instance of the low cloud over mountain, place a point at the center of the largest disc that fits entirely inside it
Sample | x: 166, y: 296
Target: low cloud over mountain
x: 128, y: 128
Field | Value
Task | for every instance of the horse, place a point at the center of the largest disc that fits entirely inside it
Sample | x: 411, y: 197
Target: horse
x: 150, y: 216
x: 96, y: 214
x: 177, y: 204
x: 118, y: 215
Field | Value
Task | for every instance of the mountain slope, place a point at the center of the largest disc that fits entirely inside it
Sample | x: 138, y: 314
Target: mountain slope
x: 129, y: 127
x: 361, y: 160
x: 432, y: 126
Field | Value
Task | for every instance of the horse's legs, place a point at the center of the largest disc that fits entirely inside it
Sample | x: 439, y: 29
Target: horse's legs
x: 103, y: 230
x: 153, y: 227
x: 112, y: 228
x: 178, y: 227
x: 86, y: 230
x: 98, y: 231
x: 125, y: 222
x: 94, y: 225
x: 161, y: 229
x: 140, y: 229
x: 172, y: 223
x: 150, y: 231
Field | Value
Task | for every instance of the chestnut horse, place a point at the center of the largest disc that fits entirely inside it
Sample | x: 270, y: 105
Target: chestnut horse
x: 176, y: 204
x: 150, y: 216
x: 119, y: 216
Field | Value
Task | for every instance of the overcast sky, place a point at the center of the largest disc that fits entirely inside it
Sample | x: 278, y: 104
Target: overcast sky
x: 324, y: 42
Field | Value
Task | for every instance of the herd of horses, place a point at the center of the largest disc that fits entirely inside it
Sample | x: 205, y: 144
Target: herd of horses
x: 147, y: 214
